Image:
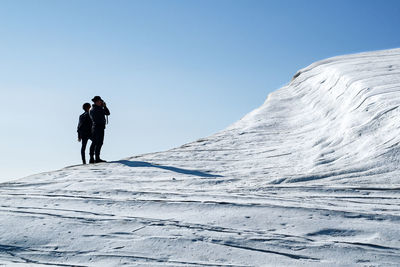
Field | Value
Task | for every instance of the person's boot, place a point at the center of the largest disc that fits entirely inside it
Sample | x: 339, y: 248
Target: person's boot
x: 83, y: 161
x: 91, y: 161
x: 98, y: 159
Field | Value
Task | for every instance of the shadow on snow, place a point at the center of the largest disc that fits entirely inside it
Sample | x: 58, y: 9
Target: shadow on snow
x: 134, y: 164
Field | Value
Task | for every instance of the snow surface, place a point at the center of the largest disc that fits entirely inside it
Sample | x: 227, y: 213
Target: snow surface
x: 311, y: 178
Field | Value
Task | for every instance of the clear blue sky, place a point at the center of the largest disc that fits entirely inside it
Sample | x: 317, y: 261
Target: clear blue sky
x: 170, y: 71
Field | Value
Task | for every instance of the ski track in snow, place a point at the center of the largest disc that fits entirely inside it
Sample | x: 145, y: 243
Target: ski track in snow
x: 311, y: 178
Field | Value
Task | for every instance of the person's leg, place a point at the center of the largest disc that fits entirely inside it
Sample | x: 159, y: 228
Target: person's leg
x: 99, y: 143
x: 83, y: 149
x: 92, y: 148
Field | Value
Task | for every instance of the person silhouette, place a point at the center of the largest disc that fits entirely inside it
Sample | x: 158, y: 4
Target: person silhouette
x: 98, y: 114
x: 85, y: 131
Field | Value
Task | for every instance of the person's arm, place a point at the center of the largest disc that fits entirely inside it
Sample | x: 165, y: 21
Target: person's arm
x: 79, y: 128
x: 106, y: 110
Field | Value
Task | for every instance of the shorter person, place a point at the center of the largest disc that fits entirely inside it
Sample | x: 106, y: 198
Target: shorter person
x: 85, y: 131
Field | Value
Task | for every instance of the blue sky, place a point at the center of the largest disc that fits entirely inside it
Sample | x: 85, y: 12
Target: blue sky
x: 170, y: 71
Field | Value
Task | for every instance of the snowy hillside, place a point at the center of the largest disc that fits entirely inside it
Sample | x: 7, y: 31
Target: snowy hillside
x: 311, y: 178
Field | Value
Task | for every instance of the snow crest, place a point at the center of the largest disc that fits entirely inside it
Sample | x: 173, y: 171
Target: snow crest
x: 338, y: 119
x: 310, y: 178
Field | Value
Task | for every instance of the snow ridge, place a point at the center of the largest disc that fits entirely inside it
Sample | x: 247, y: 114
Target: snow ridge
x: 309, y: 178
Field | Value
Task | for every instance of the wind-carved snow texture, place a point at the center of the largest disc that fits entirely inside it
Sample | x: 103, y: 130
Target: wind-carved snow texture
x: 311, y: 178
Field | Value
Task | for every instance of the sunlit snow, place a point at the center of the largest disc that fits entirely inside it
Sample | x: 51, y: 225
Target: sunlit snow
x: 311, y: 178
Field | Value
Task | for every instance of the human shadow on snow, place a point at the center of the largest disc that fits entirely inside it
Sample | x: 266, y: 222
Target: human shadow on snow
x: 134, y: 164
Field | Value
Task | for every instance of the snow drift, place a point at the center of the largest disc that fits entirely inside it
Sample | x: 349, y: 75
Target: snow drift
x: 309, y: 178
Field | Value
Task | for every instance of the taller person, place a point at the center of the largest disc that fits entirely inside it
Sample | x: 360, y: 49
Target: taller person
x: 98, y: 114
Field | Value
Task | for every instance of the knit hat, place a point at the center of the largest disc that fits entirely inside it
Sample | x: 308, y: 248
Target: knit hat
x: 96, y: 98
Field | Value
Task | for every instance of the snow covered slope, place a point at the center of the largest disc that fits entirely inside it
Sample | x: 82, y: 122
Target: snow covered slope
x: 309, y: 178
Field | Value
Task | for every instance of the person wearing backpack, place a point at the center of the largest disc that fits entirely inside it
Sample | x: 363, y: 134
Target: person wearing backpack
x: 98, y: 114
x: 85, y: 131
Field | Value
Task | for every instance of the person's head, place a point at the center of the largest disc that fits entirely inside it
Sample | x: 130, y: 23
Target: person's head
x: 86, y: 107
x: 97, y: 101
